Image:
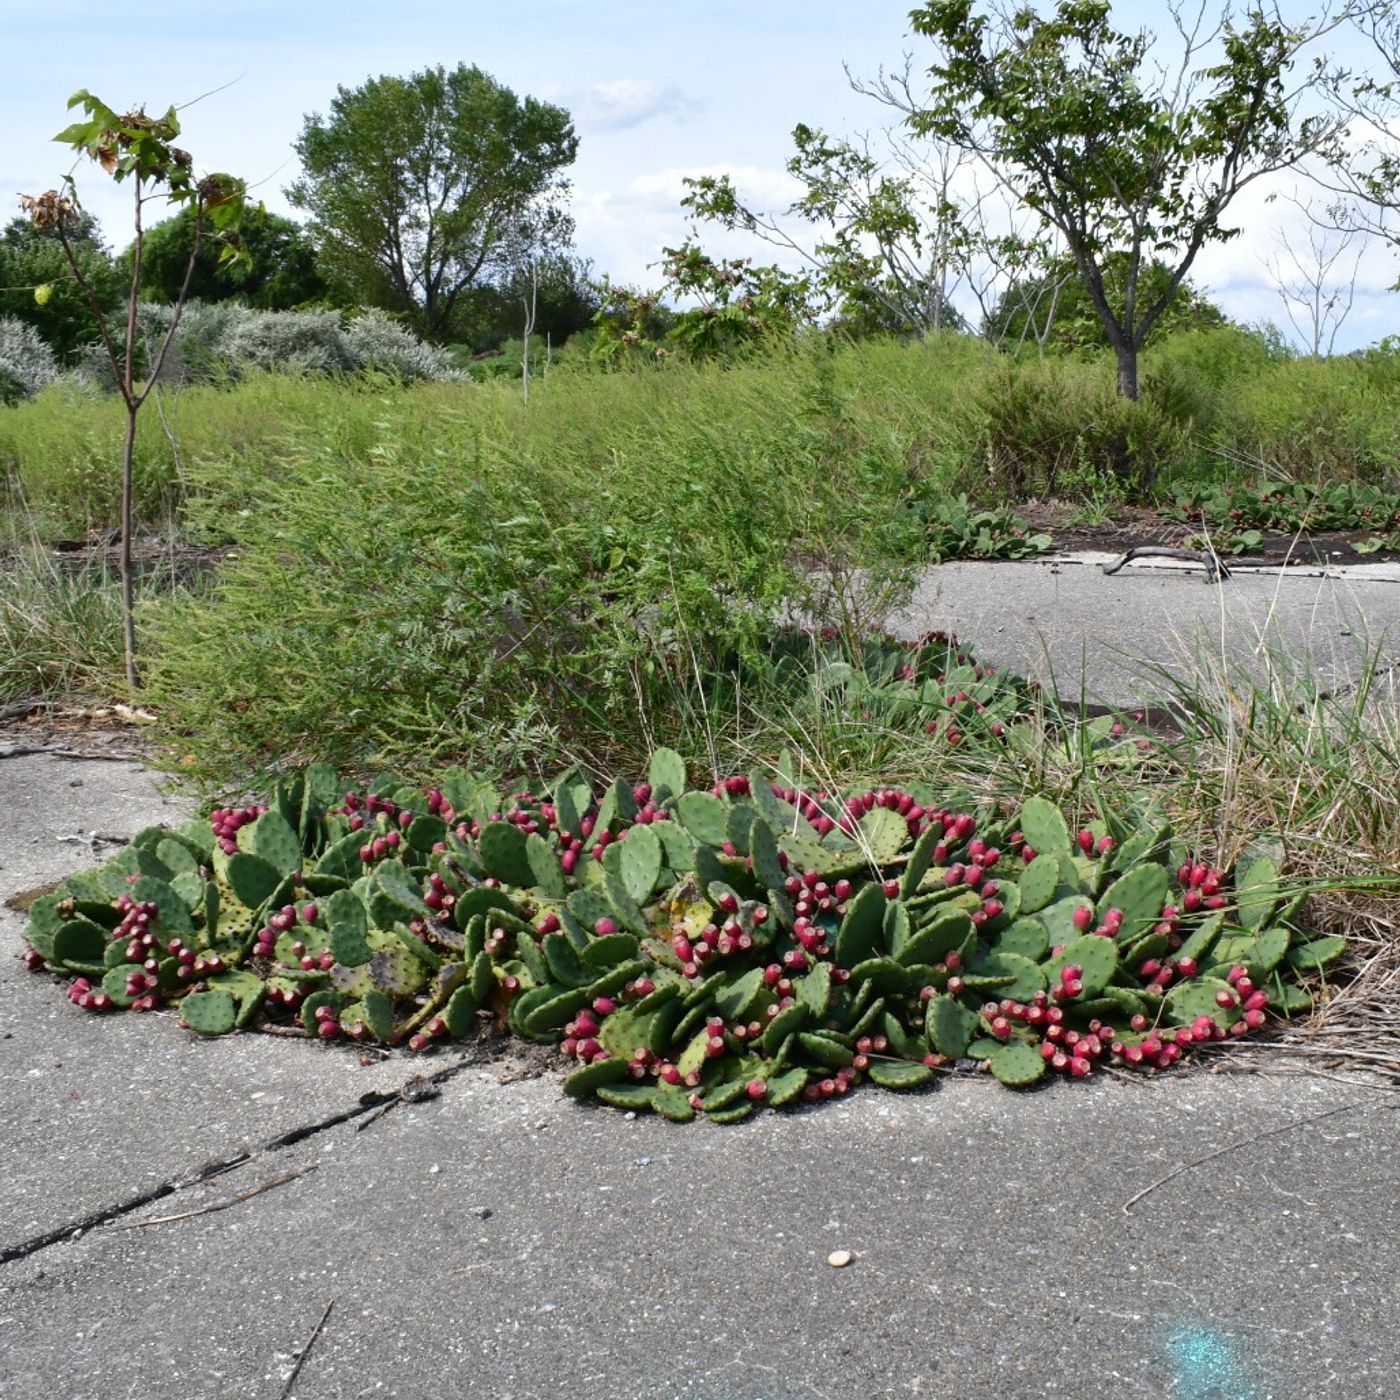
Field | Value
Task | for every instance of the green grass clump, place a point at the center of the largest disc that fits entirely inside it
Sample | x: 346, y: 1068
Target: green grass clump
x: 60, y: 631
x: 394, y: 598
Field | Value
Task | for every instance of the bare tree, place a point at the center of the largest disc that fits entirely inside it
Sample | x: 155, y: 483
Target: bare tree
x: 1318, y: 285
x: 1366, y: 172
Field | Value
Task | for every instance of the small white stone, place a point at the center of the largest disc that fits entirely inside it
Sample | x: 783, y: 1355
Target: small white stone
x: 839, y: 1258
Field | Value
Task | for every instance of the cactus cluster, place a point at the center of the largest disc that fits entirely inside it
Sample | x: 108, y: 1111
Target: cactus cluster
x: 689, y: 951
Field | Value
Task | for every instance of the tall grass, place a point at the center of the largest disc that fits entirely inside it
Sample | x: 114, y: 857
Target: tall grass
x: 950, y: 409
x: 435, y: 574
x: 60, y: 630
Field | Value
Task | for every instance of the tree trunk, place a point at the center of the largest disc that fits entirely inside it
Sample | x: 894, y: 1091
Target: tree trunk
x: 128, y: 590
x: 1128, y: 371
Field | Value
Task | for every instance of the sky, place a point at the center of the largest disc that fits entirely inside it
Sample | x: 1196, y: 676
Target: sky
x: 658, y: 91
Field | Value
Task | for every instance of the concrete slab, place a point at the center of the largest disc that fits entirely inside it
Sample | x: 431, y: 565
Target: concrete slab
x: 500, y: 1241
x: 1066, y: 624
x: 99, y: 1109
x: 504, y: 1242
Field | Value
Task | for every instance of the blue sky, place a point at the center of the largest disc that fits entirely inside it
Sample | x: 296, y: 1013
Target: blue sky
x: 658, y: 91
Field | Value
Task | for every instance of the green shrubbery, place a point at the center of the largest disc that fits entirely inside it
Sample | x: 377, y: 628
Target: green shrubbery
x: 1215, y: 403
x: 494, y: 592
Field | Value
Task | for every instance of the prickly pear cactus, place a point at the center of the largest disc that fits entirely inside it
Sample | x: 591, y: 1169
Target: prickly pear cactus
x: 691, y: 953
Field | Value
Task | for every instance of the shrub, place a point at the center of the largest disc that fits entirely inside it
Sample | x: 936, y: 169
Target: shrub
x: 308, y: 341
x: 1053, y: 427
x: 1314, y: 420
x: 26, y: 362
x: 377, y: 342
x: 223, y: 341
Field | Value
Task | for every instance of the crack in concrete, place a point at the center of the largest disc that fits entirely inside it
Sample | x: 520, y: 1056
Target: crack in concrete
x: 378, y: 1102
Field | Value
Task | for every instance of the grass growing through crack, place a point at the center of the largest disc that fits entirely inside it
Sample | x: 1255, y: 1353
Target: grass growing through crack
x: 60, y: 631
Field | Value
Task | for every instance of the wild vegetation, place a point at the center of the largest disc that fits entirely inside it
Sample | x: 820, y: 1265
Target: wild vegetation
x: 675, y: 520
x: 690, y: 950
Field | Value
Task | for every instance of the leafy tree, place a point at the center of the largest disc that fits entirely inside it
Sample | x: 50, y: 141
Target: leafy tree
x: 736, y: 307
x: 277, y: 272
x: 38, y: 286
x: 560, y: 287
x: 890, y: 244
x: 133, y: 146
x: 1053, y: 307
x: 1113, y: 155
x: 417, y: 187
x: 630, y: 326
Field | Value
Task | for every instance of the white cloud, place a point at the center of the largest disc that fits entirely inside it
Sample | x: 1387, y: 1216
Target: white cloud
x: 629, y: 102
x: 626, y: 228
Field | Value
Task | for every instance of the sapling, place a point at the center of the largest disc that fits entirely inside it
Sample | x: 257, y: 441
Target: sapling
x: 141, y: 148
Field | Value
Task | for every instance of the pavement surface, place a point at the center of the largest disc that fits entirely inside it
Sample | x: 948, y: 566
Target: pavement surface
x: 474, y: 1233
x: 1112, y: 638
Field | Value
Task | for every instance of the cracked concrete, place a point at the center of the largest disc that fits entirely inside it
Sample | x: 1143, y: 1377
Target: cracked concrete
x: 1063, y: 622
x: 501, y: 1241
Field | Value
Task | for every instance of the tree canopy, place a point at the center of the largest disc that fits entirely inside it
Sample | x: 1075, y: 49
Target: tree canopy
x: 1114, y: 154
x: 419, y: 188
x: 277, y: 273
x: 1052, y: 307
x: 37, y: 284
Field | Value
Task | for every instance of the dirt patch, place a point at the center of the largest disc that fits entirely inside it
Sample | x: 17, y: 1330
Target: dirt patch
x: 153, y: 557
x: 1138, y: 525
x: 107, y: 731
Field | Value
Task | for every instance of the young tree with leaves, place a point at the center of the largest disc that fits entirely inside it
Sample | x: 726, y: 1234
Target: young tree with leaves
x: 418, y: 187
x: 890, y: 246
x: 1117, y: 156
x: 136, y: 147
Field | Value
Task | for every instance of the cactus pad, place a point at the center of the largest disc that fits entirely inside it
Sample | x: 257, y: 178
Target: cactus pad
x: 1097, y: 956
x: 1017, y: 1064
x: 348, y: 927
x: 503, y: 854
x: 1139, y: 895
x: 393, y: 880
x: 640, y: 858
x: 1039, y: 882
x: 272, y: 838
x: 705, y: 817
x: 397, y: 972
x: 251, y: 879
x: 1044, y: 827
x: 209, y: 1013
x: 899, y: 1074
x: 950, y: 1026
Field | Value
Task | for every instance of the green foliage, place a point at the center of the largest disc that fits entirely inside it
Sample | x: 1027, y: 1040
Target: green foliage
x: 575, y: 564
x: 38, y: 286
x: 1053, y: 307
x: 797, y: 982
x: 938, y: 416
x: 1055, y: 427
x: 1114, y: 159
x: 888, y: 248
x: 561, y: 291
x: 277, y: 273
x: 730, y: 308
x: 1315, y: 420
x: 1289, y: 506
x: 956, y: 530
x: 420, y: 188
